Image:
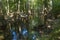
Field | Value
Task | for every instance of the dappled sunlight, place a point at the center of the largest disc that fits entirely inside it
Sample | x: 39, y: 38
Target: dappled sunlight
x: 29, y: 20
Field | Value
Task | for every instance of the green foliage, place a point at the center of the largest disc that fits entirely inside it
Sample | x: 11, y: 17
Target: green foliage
x: 37, y: 5
x: 56, y: 6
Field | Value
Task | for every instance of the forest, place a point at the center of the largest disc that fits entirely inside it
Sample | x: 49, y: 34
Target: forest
x: 29, y: 19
